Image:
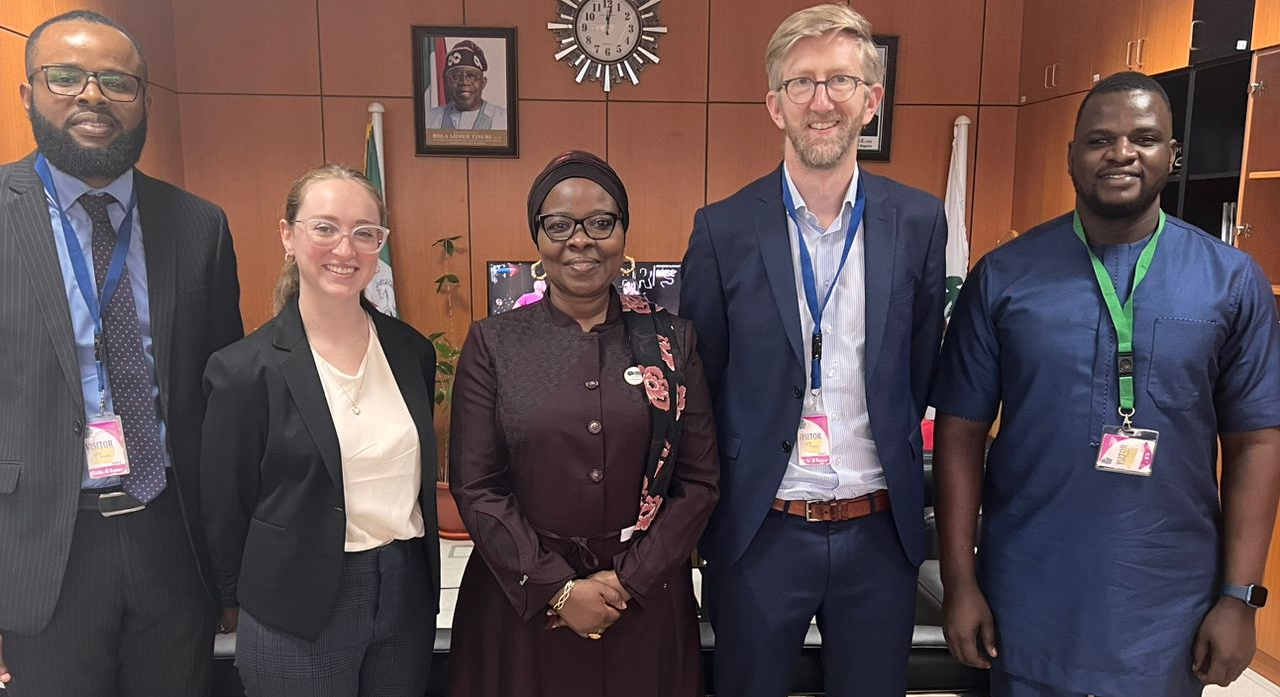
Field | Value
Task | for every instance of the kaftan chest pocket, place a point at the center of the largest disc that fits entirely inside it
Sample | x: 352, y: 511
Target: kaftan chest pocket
x: 1184, y: 354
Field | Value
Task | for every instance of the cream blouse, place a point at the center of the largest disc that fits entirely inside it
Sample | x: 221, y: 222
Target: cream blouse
x: 381, y: 467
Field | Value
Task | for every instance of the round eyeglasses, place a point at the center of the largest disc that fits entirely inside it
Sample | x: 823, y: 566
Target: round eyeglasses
x: 70, y: 81
x: 801, y: 90
x: 326, y: 234
x: 558, y: 228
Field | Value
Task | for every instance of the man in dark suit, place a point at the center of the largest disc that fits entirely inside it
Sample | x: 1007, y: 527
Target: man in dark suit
x: 118, y: 289
x: 817, y: 294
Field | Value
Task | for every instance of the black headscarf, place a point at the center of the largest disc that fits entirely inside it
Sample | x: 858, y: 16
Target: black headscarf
x: 577, y: 164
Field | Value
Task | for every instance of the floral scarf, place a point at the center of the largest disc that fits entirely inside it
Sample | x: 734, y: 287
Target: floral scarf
x: 654, y: 345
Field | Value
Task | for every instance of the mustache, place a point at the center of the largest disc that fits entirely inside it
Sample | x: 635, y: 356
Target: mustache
x: 101, y: 113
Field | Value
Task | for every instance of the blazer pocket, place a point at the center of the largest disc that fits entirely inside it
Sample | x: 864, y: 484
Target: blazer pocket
x: 9, y: 472
x: 730, y: 445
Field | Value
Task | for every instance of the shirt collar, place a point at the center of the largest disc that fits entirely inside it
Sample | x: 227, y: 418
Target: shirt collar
x: 802, y: 209
x: 70, y: 189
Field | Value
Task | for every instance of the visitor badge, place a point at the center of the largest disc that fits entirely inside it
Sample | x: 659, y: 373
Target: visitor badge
x: 633, y: 375
x: 814, y: 440
x: 1131, y: 451
x: 104, y: 449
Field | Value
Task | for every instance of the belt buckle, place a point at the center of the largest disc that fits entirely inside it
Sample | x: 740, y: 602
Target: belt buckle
x: 123, y: 511
x: 808, y: 512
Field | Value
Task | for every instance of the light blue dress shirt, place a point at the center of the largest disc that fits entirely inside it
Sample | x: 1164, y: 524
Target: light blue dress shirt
x: 70, y: 190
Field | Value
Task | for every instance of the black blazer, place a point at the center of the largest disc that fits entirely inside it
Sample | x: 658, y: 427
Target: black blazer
x: 195, y: 310
x: 272, y: 470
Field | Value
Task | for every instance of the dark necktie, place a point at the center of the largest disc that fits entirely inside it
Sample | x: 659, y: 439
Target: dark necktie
x: 127, y: 372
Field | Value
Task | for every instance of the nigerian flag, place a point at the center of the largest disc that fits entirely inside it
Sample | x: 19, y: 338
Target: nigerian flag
x: 380, y: 291
x: 954, y: 205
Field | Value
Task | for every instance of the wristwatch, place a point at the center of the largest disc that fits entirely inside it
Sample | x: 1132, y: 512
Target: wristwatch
x: 1253, y: 595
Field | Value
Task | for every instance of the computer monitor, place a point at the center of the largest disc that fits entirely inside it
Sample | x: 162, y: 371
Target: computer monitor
x: 511, y: 284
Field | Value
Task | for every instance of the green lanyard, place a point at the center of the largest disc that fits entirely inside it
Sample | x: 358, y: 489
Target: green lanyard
x: 1122, y: 316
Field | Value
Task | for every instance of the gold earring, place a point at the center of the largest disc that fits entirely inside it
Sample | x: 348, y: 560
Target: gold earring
x: 628, y: 265
x: 288, y: 257
x: 537, y: 271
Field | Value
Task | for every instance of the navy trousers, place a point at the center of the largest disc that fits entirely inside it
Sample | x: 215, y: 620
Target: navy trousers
x: 852, y: 576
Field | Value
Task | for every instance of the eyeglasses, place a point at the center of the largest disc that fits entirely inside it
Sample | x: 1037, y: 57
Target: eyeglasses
x: 70, y: 81
x: 801, y: 90
x: 325, y: 234
x: 460, y: 75
x: 558, y: 228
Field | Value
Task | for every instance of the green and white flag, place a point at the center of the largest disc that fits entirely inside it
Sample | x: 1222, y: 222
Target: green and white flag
x: 380, y: 291
x: 954, y: 206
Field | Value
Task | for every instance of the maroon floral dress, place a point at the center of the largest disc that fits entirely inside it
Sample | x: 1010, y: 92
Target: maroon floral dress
x: 548, y: 454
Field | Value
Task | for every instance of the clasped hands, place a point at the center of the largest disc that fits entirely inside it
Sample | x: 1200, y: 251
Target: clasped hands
x: 594, y: 604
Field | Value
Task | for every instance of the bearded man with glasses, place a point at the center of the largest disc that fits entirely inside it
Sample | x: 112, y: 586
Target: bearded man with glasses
x: 118, y: 290
x: 817, y: 294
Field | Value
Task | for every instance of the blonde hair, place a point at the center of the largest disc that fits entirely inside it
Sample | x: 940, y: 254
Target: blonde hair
x: 820, y: 20
x: 287, y: 285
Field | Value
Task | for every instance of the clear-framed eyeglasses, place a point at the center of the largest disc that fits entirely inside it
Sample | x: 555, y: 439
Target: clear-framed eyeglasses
x: 558, y: 228
x: 70, y: 81
x: 326, y: 234
x: 801, y: 90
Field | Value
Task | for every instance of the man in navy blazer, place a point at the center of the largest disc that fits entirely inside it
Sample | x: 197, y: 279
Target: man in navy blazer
x: 817, y: 293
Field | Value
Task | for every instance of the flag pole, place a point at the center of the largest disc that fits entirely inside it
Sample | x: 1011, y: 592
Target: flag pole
x: 376, y: 110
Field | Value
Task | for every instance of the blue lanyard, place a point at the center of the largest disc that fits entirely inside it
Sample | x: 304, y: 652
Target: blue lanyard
x: 86, y: 282
x: 807, y: 273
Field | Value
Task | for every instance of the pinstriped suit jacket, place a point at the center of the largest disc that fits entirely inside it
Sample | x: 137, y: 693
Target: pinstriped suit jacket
x: 194, y: 296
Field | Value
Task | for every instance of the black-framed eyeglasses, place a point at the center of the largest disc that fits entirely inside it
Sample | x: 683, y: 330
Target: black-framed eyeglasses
x: 461, y: 75
x: 558, y: 227
x: 70, y: 81
x: 801, y: 90
x: 326, y: 234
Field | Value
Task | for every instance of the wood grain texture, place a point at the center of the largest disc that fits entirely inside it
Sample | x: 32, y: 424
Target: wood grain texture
x: 250, y: 174
x: 743, y: 145
x: 15, y: 128
x: 541, y: 75
x: 1166, y: 27
x: 22, y: 16
x: 151, y: 22
x: 1260, y: 198
x: 927, y: 73
x: 1041, y: 188
x: 426, y: 200
x: 499, y: 188
x: 993, y: 180
x: 922, y: 138
x: 368, y: 52
x: 659, y: 151
x: 248, y: 46
x: 1266, y: 24
x: 1001, y: 51
x: 681, y: 76
x: 163, y: 157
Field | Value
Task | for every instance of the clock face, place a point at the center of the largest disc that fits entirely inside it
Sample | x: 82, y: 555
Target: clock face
x: 607, y: 30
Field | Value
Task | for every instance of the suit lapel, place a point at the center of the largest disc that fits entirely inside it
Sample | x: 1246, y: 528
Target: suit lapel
x: 775, y: 251
x: 879, y: 261
x: 158, y: 221
x: 26, y: 216
x: 409, y: 376
x: 301, y: 376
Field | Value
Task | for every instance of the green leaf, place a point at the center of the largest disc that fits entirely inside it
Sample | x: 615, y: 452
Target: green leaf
x: 444, y: 368
x: 433, y: 337
x: 450, y: 278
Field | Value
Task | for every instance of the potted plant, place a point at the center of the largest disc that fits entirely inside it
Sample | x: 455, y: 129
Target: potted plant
x: 450, y: 521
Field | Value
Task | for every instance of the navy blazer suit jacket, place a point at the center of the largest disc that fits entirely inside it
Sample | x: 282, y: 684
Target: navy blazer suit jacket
x: 738, y: 287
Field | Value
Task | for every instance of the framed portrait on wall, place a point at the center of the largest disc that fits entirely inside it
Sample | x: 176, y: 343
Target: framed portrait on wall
x: 465, y: 100
x: 876, y: 136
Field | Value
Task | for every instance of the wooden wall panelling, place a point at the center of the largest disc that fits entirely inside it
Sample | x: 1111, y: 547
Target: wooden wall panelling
x: 992, y: 189
x: 1041, y: 188
x: 1001, y: 51
x: 1266, y: 24
x: 1116, y: 36
x: 426, y: 199
x: 926, y: 74
x: 151, y: 23
x: 743, y: 144
x: 248, y: 46
x: 922, y: 138
x: 541, y: 75
x: 163, y: 158
x: 499, y: 188
x: 1260, y: 197
x: 248, y: 172
x: 22, y: 16
x: 1166, y: 32
x: 1260, y: 209
x: 681, y: 76
x: 659, y: 150
x: 366, y: 52
x: 15, y: 128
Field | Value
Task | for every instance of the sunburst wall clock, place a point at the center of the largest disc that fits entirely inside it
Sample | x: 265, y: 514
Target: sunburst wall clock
x: 608, y: 41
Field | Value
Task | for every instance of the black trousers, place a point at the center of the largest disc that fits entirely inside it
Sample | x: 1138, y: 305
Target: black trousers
x: 133, y: 618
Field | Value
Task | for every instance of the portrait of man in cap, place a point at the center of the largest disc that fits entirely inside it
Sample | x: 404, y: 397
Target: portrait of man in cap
x: 465, y: 68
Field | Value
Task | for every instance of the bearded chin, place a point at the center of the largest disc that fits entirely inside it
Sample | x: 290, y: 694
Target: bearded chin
x: 63, y: 152
x: 1118, y: 211
x: 824, y: 155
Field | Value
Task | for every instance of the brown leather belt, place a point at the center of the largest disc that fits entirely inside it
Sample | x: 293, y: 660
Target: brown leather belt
x: 835, y: 511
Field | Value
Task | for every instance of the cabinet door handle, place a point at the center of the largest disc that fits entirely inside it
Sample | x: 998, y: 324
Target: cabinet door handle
x: 1128, y: 54
x: 1142, y: 43
x: 1244, y: 230
x: 1257, y: 87
x: 1192, y: 40
x: 1053, y: 75
x: 1046, y: 76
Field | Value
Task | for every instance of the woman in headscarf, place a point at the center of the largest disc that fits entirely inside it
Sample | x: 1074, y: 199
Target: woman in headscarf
x: 584, y: 464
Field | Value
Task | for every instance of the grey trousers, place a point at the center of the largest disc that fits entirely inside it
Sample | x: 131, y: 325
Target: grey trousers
x: 133, y: 618
x: 377, y: 642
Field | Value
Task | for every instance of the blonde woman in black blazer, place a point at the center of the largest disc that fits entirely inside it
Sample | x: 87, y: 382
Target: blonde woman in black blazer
x: 319, y: 464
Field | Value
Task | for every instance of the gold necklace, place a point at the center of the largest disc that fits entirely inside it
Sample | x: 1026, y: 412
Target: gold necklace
x: 337, y: 379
